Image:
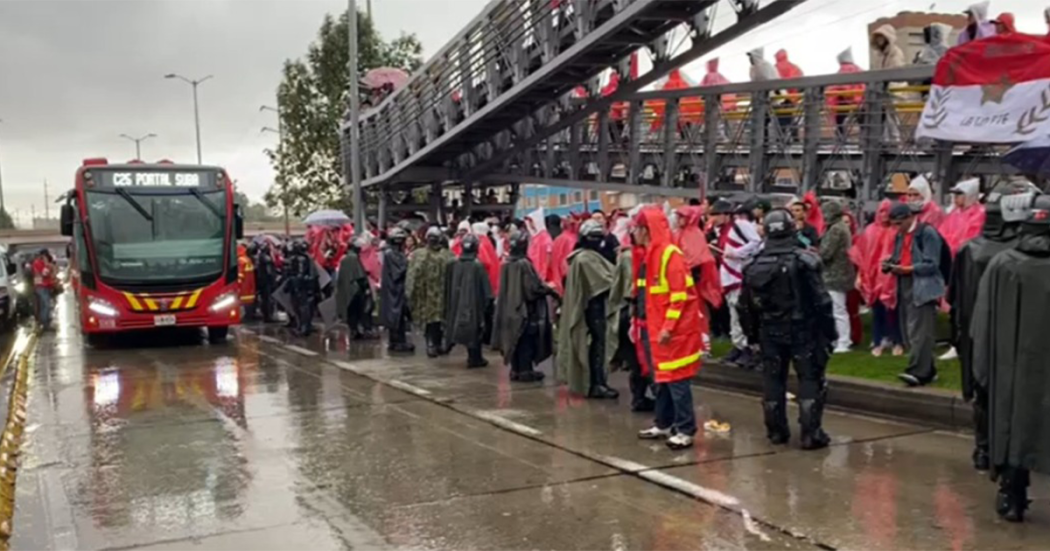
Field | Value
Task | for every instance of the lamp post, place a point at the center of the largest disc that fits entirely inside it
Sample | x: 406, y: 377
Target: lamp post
x: 138, y: 143
x: 284, y: 181
x: 354, y: 176
x: 196, y: 110
x: 1, y: 185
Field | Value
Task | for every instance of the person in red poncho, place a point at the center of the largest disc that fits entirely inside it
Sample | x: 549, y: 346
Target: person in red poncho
x: 879, y: 290
x: 701, y: 263
x: 920, y: 196
x: 672, y: 330
x: 561, y: 248
x: 788, y: 70
x: 845, y: 99
x: 540, y: 243
x: 966, y: 219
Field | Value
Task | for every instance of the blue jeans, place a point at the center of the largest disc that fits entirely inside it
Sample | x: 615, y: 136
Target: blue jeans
x: 674, y: 407
x: 885, y: 325
x: 43, y: 306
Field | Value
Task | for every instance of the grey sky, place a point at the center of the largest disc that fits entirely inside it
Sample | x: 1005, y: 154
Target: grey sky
x: 74, y: 74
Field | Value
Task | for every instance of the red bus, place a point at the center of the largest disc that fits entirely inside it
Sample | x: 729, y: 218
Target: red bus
x: 153, y: 245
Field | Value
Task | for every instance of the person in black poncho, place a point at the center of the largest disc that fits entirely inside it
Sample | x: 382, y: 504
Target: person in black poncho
x: 522, y: 322
x: 467, y: 296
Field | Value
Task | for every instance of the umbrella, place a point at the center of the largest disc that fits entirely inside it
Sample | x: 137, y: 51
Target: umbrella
x: 377, y: 78
x: 327, y: 218
x: 1031, y: 157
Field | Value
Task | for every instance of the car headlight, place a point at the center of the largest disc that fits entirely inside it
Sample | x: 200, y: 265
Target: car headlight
x: 102, y: 307
x: 20, y: 287
x: 225, y: 302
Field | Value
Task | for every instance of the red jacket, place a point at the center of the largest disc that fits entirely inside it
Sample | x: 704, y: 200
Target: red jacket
x: 43, y: 275
x: 672, y: 303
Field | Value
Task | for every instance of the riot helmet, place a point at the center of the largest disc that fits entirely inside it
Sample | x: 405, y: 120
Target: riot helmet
x: 396, y: 236
x: 435, y: 239
x: 779, y: 224
x: 519, y: 244
x: 470, y: 244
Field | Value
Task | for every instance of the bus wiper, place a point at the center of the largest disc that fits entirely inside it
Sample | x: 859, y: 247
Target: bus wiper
x: 207, y: 202
x: 138, y: 206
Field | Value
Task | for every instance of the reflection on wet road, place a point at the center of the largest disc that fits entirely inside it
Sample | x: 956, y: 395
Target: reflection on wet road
x: 270, y: 442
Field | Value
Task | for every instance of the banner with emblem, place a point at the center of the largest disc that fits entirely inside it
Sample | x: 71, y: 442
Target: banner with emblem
x: 994, y: 90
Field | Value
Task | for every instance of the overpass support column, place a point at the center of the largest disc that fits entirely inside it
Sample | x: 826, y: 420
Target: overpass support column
x: 873, y: 176
x: 759, y: 120
x: 384, y: 201
x: 712, y: 133
x: 437, y: 202
x: 813, y: 100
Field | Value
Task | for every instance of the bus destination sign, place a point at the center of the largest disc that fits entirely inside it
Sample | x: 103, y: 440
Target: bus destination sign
x: 155, y: 178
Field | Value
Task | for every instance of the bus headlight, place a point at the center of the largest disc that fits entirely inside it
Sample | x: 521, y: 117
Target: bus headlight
x: 224, y: 302
x: 102, y: 308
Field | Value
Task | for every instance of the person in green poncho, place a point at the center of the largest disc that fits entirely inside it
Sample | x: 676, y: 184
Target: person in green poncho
x: 353, y: 293
x: 583, y: 323
x: 522, y: 321
x: 426, y: 288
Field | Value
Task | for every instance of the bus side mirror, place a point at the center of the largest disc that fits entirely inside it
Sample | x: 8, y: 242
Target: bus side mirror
x: 66, y: 220
x: 238, y: 222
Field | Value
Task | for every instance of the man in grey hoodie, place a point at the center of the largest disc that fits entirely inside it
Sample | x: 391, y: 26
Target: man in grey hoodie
x: 936, y: 38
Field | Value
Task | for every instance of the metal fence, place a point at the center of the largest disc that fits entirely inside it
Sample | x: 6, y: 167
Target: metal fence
x: 494, y: 86
x: 848, y: 131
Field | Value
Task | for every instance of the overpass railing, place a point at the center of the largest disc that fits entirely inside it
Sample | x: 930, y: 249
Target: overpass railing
x: 844, y: 130
x: 495, y: 85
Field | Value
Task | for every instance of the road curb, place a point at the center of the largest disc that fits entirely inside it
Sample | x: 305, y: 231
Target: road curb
x: 924, y: 406
x: 12, y: 438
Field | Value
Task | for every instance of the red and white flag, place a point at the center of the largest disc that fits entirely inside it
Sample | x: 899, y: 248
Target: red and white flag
x: 993, y: 90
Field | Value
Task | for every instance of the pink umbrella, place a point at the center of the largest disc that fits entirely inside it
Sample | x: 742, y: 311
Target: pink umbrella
x: 380, y: 77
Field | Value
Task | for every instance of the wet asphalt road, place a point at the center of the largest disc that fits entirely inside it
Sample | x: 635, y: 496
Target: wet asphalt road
x: 270, y: 442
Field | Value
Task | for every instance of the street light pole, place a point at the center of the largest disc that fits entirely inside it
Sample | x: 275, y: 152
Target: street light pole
x: 1, y: 184
x: 284, y: 180
x: 196, y: 110
x: 138, y: 143
x: 354, y: 176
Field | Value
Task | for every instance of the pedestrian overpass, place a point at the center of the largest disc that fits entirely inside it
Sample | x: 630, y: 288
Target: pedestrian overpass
x: 500, y: 105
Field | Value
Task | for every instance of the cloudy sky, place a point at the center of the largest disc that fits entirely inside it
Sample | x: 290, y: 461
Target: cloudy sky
x: 75, y: 74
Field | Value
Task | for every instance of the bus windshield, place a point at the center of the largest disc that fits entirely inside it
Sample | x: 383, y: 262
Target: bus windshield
x: 143, y: 237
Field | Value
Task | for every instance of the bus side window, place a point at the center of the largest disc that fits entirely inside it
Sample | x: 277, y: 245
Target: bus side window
x: 87, y: 278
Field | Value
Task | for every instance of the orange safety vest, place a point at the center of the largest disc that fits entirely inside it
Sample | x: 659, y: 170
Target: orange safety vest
x: 672, y: 303
x: 246, y: 278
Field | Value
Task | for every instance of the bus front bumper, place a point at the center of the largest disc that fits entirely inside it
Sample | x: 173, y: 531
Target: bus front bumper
x: 134, y: 321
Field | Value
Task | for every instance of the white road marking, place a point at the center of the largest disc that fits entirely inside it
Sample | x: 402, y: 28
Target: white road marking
x: 695, y: 490
x: 622, y: 464
x: 412, y: 389
x: 509, y: 425
x: 269, y: 339
x: 300, y: 350
x: 752, y: 527
x: 347, y: 366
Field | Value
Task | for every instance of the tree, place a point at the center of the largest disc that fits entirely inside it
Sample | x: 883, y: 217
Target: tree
x: 6, y: 223
x: 313, y: 96
x: 253, y: 212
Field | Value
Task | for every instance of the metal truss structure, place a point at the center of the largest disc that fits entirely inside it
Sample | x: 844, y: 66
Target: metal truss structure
x: 852, y: 131
x: 506, y: 82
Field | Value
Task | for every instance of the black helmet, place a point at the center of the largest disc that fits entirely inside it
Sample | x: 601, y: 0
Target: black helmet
x: 722, y: 206
x: 396, y: 236
x: 470, y: 244
x: 434, y: 237
x: 778, y: 224
x: 519, y: 244
x: 1039, y: 214
x: 300, y: 246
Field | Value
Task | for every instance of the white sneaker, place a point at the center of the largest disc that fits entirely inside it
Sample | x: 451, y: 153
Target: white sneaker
x: 654, y: 433
x: 951, y: 354
x: 680, y: 442
x: 841, y: 350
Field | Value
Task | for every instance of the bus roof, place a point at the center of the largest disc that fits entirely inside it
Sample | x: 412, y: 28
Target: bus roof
x: 151, y: 166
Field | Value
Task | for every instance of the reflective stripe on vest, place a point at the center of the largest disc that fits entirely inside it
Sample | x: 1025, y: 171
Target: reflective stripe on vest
x: 662, y: 287
x: 680, y: 362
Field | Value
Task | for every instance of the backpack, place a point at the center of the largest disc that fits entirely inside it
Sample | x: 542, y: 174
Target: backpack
x: 944, y: 262
x: 773, y: 281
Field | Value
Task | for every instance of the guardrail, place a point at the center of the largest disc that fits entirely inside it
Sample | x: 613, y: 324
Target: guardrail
x: 483, y: 92
x: 849, y: 130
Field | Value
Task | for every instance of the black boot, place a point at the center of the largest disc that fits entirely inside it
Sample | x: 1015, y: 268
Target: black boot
x: 474, y: 357
x: 777, y: 430
x: 810, y: 416
x: 603, y: 393
x: 433, y: 338
x: 1012, y: 500
x: 981, y: 461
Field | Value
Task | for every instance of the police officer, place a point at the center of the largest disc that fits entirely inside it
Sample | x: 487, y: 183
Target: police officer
x: 785, y: 306
x: 265, y: 279
x: 303, y: 281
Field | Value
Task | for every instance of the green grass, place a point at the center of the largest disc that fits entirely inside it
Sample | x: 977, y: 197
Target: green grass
x: 860, y: 363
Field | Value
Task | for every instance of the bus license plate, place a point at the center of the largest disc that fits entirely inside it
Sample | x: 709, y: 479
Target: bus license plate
x: 164, y: 321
